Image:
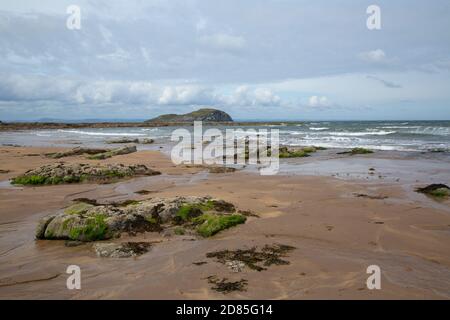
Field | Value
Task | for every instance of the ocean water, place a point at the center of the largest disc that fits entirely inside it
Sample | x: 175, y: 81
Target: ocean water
x: 378, y: 135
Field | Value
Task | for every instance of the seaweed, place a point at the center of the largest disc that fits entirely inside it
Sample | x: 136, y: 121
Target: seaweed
x: 224, y: 286
x: 254, y: 259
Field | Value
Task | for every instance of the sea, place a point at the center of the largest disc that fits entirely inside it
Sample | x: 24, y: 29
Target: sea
x: 405, y: 136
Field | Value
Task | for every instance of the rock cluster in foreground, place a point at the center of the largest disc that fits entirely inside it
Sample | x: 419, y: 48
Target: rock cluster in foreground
x: 59, y: 173
x: 89, y: 221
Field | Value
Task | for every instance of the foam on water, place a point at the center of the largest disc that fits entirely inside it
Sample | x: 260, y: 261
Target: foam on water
x: 377, y: 135
x: 90, y: 133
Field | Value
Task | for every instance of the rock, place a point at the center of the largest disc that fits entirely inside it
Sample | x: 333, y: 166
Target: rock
x: 435, y: 190
x: 121, y: 250
x: 285, y: 152
x: 112, y: 153
x: 75, y: 152
x: 147, y: 141
x: 221, y: 169
x: 207, y: 115
x: 123, y: 140
x: 356, y: 151
x: 59, y: 173
x: 42, y: 225
x: 91, y: 221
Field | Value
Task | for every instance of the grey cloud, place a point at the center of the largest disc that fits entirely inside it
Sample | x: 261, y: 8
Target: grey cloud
x: 387, y: 84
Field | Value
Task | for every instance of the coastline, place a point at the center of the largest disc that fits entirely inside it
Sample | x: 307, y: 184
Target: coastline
x: 336, y: 233
x: 16, y: 126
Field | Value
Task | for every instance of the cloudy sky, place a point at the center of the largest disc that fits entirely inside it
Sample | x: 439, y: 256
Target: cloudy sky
x: 256, y: 59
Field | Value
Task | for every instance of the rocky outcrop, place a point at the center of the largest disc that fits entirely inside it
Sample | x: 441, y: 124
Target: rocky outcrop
x: 221, y: 169
x: 90, y: 221
x: 356, y: 151
x: 129, y: 140
x: 436, y: 190
x: 112, y: 153
x: 207, y: 115
x: 146, y: 141
x: 93, y: 153
x: 123, y: 140
x: 285, y: 152
x: 59, y: 173
x: 75, y: 152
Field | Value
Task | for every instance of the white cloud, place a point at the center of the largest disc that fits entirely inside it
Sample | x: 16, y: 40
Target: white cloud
x: 245, y: 96
x: 317, y: 101
x: 376, y: 56
x: 62, y: 90
x: 187, y: 95
x: 223, y: 41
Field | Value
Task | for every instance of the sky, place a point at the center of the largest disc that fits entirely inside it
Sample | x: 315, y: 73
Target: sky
x: 255, y: 59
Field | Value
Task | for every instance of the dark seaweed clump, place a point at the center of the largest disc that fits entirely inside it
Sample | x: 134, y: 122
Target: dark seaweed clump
x: 224, y: 286
x: 255, y: 259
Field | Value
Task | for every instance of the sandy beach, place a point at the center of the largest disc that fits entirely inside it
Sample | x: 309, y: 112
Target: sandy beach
x: 257, y: 152
x: 338, y: 222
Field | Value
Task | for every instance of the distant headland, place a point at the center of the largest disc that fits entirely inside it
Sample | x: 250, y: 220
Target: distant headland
x: 207, y: 114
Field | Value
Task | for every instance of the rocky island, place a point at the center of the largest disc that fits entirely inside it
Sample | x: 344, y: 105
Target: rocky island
x: 206, y: 114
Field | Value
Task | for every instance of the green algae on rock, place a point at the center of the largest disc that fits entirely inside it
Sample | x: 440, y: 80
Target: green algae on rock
x: 285, y: 152
x: 60, y: 173
x: 435, y: 190
x: 356, y: 151
x: 91, y: 221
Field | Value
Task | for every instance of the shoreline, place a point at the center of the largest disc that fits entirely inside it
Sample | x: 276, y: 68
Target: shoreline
x: 19, y: 126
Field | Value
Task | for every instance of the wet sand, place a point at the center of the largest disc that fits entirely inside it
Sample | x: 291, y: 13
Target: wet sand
x: 337, y: 234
